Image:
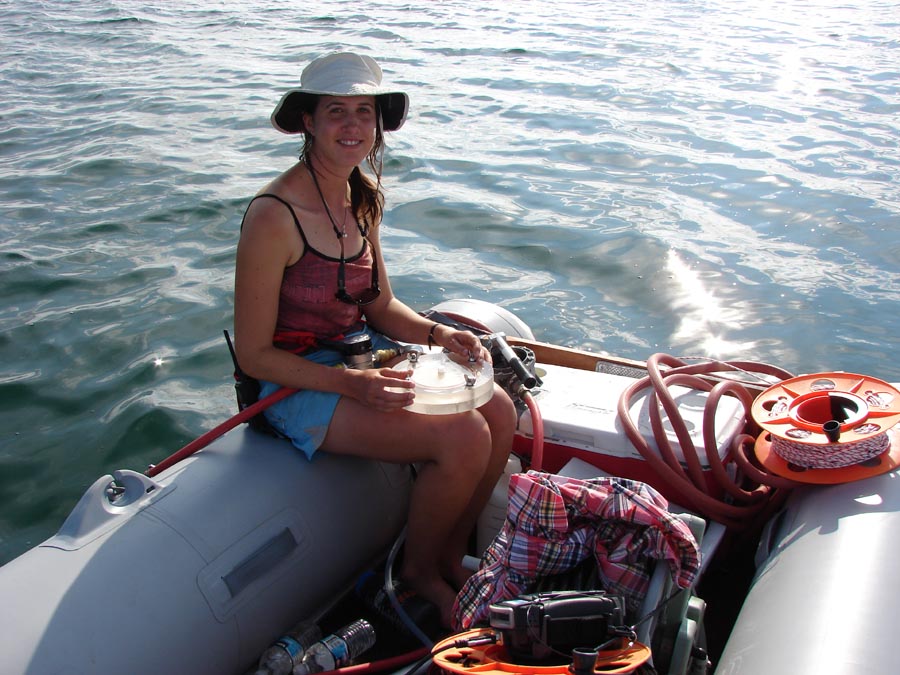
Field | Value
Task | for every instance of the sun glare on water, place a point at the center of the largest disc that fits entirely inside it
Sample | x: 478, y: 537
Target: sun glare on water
x: 703, y: 318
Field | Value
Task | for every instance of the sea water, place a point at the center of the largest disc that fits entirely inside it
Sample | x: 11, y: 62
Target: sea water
x: 698, y: 178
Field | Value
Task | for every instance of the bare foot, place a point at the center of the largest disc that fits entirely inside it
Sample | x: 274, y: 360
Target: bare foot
x: 436, y: 591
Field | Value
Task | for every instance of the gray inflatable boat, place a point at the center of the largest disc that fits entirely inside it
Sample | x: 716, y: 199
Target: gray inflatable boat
x: 197, y: 569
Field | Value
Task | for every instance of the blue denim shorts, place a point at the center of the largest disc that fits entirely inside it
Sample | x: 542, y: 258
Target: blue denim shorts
x: 304, y: 417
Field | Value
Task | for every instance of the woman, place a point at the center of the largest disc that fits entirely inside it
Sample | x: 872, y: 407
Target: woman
x: 310, y: 267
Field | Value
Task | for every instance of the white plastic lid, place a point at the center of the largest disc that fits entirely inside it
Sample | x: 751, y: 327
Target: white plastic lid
x: 445, y: 384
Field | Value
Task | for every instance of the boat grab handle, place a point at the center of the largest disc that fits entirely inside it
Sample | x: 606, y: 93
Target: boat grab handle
x: 260, y: 562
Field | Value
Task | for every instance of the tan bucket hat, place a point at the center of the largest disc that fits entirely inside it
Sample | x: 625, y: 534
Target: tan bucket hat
x: 340, y: 74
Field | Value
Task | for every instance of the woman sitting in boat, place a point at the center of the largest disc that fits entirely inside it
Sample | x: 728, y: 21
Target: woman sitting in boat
x: 310, y: 268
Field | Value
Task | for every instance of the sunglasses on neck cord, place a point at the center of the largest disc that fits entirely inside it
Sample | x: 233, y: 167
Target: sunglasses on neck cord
x: 367, y: 296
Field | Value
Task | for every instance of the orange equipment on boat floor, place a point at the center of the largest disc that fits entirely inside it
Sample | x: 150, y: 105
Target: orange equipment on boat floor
x: 490, y: 658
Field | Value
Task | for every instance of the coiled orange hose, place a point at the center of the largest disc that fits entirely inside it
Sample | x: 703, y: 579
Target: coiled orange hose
x: 740, y: 501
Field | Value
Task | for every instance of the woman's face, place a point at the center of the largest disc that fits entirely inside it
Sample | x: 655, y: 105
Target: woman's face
x: 343, y: 128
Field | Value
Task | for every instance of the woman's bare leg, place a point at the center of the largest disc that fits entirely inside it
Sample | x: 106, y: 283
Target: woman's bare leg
x: 455, y: 453
x: 500, y: 415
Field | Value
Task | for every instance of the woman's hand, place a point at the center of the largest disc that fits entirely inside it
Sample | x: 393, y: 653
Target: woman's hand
x: 461, y: 342
x: 383, y: 389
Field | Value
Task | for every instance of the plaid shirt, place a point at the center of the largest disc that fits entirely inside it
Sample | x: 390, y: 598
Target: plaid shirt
x: 553, y: 523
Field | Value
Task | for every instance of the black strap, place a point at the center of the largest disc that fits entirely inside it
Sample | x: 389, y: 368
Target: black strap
x: 306, y: 246
x: 247, y: 390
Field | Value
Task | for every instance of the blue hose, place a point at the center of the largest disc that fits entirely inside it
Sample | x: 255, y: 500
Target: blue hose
x: 389, y: 589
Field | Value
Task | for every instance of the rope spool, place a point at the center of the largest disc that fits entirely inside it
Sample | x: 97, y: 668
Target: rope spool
x: 828, y: 427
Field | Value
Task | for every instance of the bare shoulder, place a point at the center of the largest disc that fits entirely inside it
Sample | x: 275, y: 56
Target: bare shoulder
x: 269, y: 226
x: 268, y: 211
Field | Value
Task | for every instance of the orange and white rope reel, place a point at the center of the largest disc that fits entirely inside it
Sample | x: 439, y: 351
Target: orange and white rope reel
x: 828, y: 427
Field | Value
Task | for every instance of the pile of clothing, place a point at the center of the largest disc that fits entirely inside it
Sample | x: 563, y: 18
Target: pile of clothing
x: 554, y: 523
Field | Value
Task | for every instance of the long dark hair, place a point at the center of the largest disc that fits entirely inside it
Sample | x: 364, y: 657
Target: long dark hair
x: 366, y: 196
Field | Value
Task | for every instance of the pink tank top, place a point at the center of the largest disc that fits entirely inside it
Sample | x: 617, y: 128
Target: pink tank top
x: 307, y: 306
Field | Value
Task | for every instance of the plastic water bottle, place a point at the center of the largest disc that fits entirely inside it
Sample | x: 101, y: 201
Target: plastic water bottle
x: 286, y: 653
x: 338, y: 649
x: 370, y: 589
